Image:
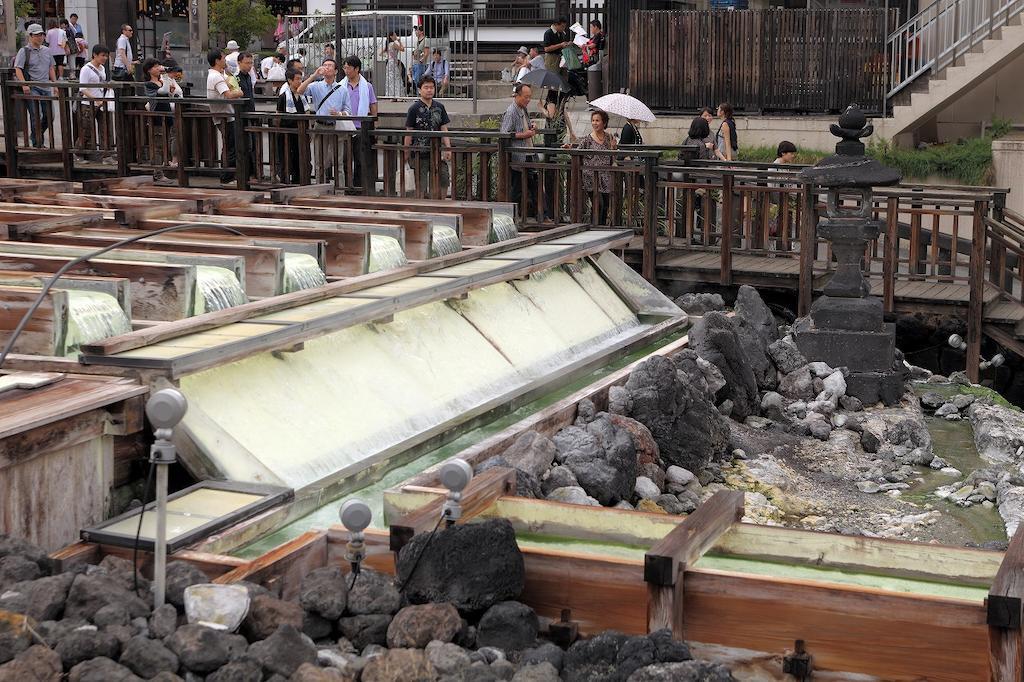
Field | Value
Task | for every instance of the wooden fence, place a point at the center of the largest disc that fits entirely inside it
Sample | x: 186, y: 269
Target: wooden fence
x: 759, y: 60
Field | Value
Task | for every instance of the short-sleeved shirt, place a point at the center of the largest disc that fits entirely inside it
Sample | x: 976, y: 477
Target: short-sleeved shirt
x: 418, y: 55
x: 422, y: 117
x: 76, y: 29
x: 216, y: 87
x: 338, y: 99
x: 353, y: 98
x: 265, y: 65
x: 40, y: 61
x: 56, y: 38
x: 438, y: 69
x: 94, y: 74
x: 123, y: 44
x: 553, y: 37
x: 516, y: 120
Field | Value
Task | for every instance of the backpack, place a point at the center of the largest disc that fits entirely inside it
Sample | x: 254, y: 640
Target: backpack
x: 590, y: 54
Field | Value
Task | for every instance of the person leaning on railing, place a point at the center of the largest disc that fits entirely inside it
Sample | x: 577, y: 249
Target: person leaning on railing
x: 427, y: 114
x: 594, y: 178
x: 161, y: 89
x: 94, y: 105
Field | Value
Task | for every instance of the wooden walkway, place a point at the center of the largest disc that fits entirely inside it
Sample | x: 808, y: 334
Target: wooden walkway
x: 1002, y: 316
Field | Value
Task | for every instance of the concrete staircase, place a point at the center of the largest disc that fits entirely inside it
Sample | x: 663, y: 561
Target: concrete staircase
x: 963, y: 57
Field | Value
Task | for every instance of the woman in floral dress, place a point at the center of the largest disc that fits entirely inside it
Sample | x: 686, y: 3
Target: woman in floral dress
x: 593, y: 177
x: 394, y: 84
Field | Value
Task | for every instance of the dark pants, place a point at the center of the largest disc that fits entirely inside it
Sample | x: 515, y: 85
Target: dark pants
x: 289, y: 163
x: 599, y: 214
x: 39, y: 115
x: 227, y: 132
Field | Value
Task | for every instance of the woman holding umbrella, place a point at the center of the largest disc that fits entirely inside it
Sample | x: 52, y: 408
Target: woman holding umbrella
x: 631, y: 109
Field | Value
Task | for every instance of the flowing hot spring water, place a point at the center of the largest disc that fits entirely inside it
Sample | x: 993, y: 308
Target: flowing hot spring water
x: 386, y: 253
x: 362, y: 390
x: 302, y: 271
x: 92, y: 316
x: 216, y: 289
x: 503, y: 228
x: 444, y: 241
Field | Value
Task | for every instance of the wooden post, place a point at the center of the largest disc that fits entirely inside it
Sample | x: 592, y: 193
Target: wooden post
x: 64, y: 109
x: 180, y: 144
x: 666, y: 562
x: 120, y: 133
x: 10, y: 125
x: 503, y: 174
x: 436, y: 160
x: 808, y: 246
x: 650, y: 256
x: 725, y: 238
x: 241, y: 148
x: 481, y: 492
x: 303, y: 133
x: 890, y: 255
x: 367, y: 158
x: 976, y: 284
x: 1004, y: 609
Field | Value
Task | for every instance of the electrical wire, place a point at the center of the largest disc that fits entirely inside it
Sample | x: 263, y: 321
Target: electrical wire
x: 89, y: 256
x: 415, y: 564
x: 138, y: 530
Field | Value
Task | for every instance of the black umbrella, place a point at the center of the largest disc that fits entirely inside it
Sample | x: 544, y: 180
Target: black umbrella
x: 546, y: 79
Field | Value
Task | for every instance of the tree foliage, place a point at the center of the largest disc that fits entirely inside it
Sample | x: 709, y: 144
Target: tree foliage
x: 241, y: 20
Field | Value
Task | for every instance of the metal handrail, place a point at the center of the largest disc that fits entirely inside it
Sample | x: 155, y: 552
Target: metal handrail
x: 941, y: 33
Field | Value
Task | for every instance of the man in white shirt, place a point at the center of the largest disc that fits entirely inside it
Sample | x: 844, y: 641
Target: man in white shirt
x: 231, y: 57
x: 92, y: 110
x: 217, y: 88
x: 124, y: 59
x: 329, y: 98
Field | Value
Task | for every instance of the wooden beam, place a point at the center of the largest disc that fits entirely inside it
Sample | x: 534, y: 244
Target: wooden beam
x: 283, y: 567
x: 976, y: 282
x: 285, y: 195
x: 26, y: 229
x: 481, y: 492
x: 666, y: 562
x: 102, y: 185
x: 808, y: 247
x: 145, y: 337
x: 1003, y: 613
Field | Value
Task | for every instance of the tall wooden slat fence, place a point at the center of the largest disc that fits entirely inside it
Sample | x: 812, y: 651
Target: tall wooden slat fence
x: 815, y: 61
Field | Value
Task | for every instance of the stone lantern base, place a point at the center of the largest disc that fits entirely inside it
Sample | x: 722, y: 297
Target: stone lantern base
x: 875, y: 373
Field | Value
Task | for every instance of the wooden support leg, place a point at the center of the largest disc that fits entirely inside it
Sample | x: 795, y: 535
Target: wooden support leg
x: 1004, y: 609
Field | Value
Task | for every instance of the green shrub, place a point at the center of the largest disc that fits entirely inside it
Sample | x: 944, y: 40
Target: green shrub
x: 241, y: 20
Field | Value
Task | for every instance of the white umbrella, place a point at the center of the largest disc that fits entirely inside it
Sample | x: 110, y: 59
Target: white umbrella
x: 625, y: 106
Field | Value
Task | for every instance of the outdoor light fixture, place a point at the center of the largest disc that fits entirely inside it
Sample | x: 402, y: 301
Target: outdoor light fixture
x: 956, y: 341
x: 996, y: 361
x: 355, y: 515
x: 165, y: 409
x: 455, y: 475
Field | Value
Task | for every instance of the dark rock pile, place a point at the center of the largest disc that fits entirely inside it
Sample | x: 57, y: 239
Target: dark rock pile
x: 451, y: 622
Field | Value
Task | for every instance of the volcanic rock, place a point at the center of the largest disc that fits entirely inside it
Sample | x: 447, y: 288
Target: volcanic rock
x: 373, y: 592
x: 643, y: 440
x: 704, y: 375
x: 88, y: 594
x: 540, y: 672
x: 489, y: 568
x: 102, y: 669
x: 509, y: 626
x: 365, y: 630
x: 415, y: 626
x: 687, y: 671
x: 163, y: 621
x: 602, y: 457
x: 148, y: 657
x: 323, y: 591
x: 531, y: 452
x: 283, y: 652
x: 786, y: 356
x: 574, y: 494
x: 684, y: 423
x: 715, y: 339
x: 756, y: 329
x: 181, y: 574
x: 200, y: 649
x: 399, y: 665
x: 447, y: 658
x: 798, y: 384
x: 558, y: 477
x: 700, y: 303
x: 266, y: 614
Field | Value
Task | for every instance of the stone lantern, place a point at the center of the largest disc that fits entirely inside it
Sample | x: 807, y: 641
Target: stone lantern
x: 846, y: 326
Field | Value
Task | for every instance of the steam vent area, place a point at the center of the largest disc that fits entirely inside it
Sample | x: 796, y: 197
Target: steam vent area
x: 419, y: 442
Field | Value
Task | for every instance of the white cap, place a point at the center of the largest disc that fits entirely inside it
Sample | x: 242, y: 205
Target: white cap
x: 35, y: 29
x: 232, y: 45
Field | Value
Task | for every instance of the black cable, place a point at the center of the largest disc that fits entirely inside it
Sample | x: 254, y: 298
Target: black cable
x: 415, y: 564
x: 355, y: 574
x: 138, y: 530
x: 89, y: 256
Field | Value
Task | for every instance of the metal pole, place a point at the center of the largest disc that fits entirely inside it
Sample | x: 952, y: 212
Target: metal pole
x: 160, y: 549
x: 476, y: 56
x: 885, y: 56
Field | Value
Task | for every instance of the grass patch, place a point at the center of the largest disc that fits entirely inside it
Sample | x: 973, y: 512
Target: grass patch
x: 966, y: 162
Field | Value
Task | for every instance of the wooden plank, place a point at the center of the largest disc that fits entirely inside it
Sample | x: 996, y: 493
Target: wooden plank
x: 219, y: 318
x: 975, y: 308
x: 854, y: 629
x: 1003, y: 613
x: 481, y: 492
x: 665, y: 564
x: 45, y: 331
x: 23, y: 410
x: 601, y: 593
x: 26, y: 229
x: 285, y: 566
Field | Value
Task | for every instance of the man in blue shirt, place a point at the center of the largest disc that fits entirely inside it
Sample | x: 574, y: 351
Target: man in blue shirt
x: 330, y: 98
x: 440, y: 70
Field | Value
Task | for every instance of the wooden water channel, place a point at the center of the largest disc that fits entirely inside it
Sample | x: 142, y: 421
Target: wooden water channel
x: 909, y: 611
